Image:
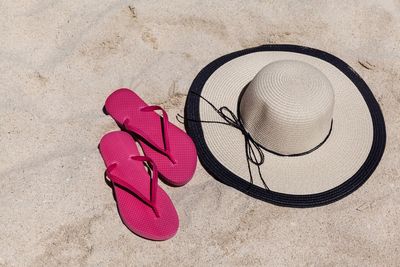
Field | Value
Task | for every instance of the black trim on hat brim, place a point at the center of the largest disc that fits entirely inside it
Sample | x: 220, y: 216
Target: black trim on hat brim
x: 222, y: 174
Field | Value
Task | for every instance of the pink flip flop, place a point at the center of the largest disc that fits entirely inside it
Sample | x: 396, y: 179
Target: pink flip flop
x: 143, y: 206
x: 172, y: 150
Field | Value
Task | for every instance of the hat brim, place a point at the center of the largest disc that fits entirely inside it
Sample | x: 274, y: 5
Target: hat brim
x: 337, y: 168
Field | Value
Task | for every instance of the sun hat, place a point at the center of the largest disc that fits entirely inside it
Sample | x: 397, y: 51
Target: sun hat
x: 290, y: 125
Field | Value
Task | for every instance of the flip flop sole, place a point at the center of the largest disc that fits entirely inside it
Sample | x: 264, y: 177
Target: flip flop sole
x: 123, y: 104
x: 139, y: 217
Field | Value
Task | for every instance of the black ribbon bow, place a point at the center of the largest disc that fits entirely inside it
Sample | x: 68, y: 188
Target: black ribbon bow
x: 254, y: 153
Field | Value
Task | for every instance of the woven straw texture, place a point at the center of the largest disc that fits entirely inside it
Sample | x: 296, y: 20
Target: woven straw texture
x: 287, y: 107
x: 333, y: 163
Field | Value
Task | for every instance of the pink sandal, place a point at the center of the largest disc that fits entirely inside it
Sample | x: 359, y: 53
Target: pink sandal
x: 144, y: 207
x: 172, y: 150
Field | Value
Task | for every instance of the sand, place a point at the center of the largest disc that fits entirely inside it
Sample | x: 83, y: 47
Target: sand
x: 60, y: 60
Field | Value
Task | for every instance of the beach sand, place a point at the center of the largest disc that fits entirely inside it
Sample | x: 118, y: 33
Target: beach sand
x: 61, y: 59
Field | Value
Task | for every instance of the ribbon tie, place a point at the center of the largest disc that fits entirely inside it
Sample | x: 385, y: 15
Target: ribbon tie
x: 254, y: 153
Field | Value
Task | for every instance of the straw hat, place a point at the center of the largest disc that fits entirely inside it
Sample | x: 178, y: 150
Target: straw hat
x: 286, y: 124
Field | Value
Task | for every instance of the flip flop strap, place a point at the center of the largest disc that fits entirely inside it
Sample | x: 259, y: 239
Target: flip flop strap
x: 165, y: 126
x: 154, y: 182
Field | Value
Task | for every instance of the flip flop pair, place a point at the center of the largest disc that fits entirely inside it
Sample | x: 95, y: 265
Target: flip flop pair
x: 144, y: 207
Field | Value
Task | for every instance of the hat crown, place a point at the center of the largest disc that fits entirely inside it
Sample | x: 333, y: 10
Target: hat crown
x: 288, y: 107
